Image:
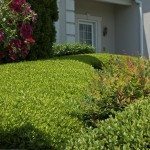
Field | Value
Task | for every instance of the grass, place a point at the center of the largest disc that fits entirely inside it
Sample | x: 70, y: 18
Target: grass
x: 42, y: 102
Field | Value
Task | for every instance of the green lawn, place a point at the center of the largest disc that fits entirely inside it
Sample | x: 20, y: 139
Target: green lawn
x: 42, y: 103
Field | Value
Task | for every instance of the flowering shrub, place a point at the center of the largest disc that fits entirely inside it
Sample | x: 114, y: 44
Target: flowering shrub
x: 16, y: 29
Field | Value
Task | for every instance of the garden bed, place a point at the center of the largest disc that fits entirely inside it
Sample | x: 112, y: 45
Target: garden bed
x: 50, y: 104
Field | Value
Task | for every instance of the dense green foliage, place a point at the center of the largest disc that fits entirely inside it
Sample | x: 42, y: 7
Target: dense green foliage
x: 37, y: 100
x: 128, y: 130
x: 72, y: 49
x: 44, y: 33
x: 64, y: 103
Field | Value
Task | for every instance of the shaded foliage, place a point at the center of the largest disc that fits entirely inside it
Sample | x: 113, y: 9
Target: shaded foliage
x: 45, y: 32
x: 24, y: 137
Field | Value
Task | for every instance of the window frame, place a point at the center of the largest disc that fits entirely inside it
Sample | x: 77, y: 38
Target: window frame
x: 94, y: 30
x: 83, y: 22
x: 98, y: 28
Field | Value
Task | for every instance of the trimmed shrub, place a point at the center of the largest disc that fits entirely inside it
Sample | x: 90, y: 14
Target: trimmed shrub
x: 122, y: 81
x: 50, y: 101
x: 36, y: 102
x: 45, y: 29
x: 129, y: 130
x: 72, y: 49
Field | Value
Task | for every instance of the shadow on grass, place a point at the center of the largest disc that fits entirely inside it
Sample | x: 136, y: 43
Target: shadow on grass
x: 25, y: 137
x: 85, y: 58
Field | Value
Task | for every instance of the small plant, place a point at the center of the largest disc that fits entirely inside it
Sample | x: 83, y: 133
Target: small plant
x: 16, y: 29
x: 72, y: 49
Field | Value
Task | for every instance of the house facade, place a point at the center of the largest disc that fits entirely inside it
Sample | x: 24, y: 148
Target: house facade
x: 114, y: 26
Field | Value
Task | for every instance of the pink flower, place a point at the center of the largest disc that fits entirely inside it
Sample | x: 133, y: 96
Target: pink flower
x: 28, y: 11
x: 16, y: 5
x: 15, y: 45
x: 30, y: 40
x: 26, y: 31
x: 1, y: 35
x: 17, y: 48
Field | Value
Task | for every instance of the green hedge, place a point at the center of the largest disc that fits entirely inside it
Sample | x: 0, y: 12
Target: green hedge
x: 129, y: 130
x: 64, y: 103
x: 37, y: 102
x: 122, y: 81
x: 72, y: 49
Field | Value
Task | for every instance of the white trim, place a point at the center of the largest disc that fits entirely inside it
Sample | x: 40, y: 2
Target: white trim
x: 98, y: 28
x: 70, y: 21
x: 120, y: 2
x: 141, y: 27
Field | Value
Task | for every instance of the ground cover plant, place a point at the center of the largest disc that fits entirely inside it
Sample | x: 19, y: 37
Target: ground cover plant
x: 92, y: 101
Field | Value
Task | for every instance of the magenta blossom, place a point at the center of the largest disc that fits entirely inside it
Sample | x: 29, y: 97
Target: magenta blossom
x: 30, y: 40
x: 1, y: 35
x: 17, y: 48
x: 26, y: 30
x: 15, y: 45
x: 19, y: 19
x: 16, y: 5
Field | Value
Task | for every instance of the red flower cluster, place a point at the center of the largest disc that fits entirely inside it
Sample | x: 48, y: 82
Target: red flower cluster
x: 19, y: 47
x: 16, y: 5
x: 14, y: 46
x: 26, y: 30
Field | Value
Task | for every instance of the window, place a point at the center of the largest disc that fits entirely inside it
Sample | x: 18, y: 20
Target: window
x: 86, y: 32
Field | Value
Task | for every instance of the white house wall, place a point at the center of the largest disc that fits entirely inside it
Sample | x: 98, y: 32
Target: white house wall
x: 104, y: 11
x: 70, y: 21
x: 122, y: 23
x: 61, y: 24
x: 127, y: 30
x: 65, y: 26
